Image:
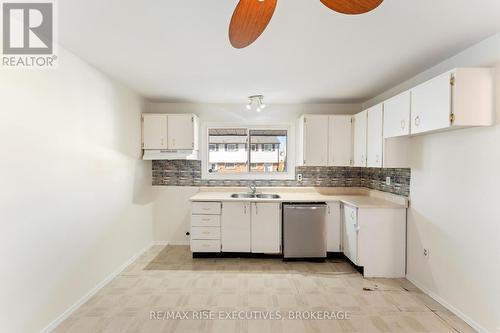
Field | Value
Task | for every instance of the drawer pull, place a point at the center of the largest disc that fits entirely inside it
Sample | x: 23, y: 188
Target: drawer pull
x: 205, y: 220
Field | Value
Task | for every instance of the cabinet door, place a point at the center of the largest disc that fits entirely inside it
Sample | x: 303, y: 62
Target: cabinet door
x: 360, y: 123
x: 333, y: 219
x: 180, y: 131
x: 397, y: 115
x: 154, y: 131
x: 315, y: 140
x: 431, y: 105
x: 350, y: 233
x: 266, y: 227
x: 340, y: 141
x: 375, y: 139
x: 235, y: 227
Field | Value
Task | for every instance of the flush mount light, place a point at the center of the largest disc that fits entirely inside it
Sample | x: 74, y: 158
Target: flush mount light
x: 256, y: 101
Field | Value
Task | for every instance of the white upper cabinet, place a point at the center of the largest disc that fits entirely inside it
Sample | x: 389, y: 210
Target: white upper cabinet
x: 397, y: 115
x: 340, y: 140
x: 169, y: 131
x: 324, y: 140
x: 360, y: 136
x: 459, y: 98
x: 315, y: 140
x: 375, y: 139
x: 154, y: 131
x: 181, y: 131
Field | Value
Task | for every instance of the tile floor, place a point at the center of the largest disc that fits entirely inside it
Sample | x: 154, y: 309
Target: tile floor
x: 167, y: 279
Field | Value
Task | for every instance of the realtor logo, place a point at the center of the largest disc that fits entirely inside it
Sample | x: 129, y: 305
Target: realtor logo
x: 28, y: 34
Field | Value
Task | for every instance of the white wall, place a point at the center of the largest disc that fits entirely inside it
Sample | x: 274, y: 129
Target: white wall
x: 171, y: 207
x: 455, y: 206
x: 75, y: 197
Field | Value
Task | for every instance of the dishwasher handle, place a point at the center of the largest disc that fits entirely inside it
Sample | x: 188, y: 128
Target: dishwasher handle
x: 304, y: 207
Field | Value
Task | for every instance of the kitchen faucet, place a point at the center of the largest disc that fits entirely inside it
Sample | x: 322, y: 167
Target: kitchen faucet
x: 252, y: 187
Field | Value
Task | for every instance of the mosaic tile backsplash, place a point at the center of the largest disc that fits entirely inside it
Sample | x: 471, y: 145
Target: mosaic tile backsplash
x: 188, y: 173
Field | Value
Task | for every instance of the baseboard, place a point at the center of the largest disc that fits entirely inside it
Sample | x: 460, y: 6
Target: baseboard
x: 92, y: 292
x: 448, y: 306
x: 165, y: 243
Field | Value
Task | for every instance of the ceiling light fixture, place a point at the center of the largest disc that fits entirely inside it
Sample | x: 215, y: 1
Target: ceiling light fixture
x: 257, y: 101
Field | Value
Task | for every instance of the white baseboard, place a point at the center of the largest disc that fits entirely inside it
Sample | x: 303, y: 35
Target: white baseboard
x: 49, y: 328
x: 165, y: 243
x: 447, y: 305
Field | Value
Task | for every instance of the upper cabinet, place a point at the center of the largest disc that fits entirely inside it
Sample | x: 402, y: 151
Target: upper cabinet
x: 154, y: 131
x: 340, y: 140
x: 397, y: 115
x: 314, y: 140
x: 324, y: 140
x: 360, y: 121
x: 182, y: 132
x: 375, y: 139
x: 169, y: 136
x: 459, y: 98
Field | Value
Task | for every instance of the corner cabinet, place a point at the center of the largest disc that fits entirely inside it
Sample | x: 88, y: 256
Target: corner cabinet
x: 462, y: 97
x: 324, y: 140
x: 375, y: 239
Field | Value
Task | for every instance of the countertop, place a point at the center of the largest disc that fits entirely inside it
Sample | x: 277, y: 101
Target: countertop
x: 288, y: 195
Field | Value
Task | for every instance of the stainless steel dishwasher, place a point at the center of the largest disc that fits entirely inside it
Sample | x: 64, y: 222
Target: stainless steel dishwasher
x: 304, y: 231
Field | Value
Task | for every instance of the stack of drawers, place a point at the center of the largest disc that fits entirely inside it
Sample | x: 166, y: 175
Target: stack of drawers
x: 205, y: 226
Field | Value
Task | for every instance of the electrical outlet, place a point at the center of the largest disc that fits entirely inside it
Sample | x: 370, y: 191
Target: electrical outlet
x: 426, y: 253
x: 387, y: 180
x: 299, y: 177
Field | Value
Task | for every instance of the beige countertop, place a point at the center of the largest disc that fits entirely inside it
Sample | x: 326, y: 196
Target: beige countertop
x: 355, y: 197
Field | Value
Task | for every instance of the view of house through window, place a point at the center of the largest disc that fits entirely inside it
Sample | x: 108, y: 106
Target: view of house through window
x: 243, y: 150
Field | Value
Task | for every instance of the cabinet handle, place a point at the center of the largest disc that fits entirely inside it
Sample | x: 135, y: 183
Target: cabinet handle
x: 205, y: 220
x: 256, y: 209
x: 403, y: 124
x: 173, y: 143
x: 245, y: 208
x: 417, y: 121
x: 329, y: 211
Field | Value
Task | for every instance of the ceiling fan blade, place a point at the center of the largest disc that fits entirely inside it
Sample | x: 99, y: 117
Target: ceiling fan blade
x: 250, y: 19
x: 352, y: 7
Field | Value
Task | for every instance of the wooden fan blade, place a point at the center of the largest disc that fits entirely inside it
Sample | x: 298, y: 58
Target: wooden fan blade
x: 352, y: 7
x: 250, y: 19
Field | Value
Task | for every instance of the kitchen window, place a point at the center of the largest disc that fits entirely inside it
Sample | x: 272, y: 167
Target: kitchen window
x: 267, y: 157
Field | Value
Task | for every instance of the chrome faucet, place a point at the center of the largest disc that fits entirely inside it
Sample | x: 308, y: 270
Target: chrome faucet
x: 252, y: 187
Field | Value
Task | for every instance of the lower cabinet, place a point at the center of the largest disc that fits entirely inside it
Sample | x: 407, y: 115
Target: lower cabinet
x: 266, y: 228
x: 236, y: 227
x: 333, y: 219
x: 375, y: 238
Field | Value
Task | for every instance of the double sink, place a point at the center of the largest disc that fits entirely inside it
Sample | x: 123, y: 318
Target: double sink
x: 257, y: 196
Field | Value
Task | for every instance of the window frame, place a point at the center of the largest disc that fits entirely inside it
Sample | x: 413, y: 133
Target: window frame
x: 290, y: 152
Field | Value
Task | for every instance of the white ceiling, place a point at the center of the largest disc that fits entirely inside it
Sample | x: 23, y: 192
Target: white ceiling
x: 179, y: 50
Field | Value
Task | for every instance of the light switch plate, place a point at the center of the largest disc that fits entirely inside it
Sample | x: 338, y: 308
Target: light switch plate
x: 388, y: 181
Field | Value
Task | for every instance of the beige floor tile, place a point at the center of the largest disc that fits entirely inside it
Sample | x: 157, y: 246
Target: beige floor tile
x: 169, y: 279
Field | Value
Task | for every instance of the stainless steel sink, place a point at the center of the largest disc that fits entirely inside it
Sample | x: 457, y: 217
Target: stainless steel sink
x: 242, y: 195
x: 267, y: 196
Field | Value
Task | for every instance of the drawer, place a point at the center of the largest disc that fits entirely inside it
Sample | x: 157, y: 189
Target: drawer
x: 205, y: 233
x: 205, y: 208
x: 205, y: 220
x: 205, y: 245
